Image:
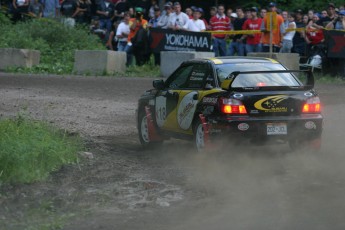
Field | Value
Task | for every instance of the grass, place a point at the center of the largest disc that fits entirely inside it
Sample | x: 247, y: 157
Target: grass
x: 30, y: 150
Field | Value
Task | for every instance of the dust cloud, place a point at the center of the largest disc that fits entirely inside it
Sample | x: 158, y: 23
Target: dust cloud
x: 268, y: 187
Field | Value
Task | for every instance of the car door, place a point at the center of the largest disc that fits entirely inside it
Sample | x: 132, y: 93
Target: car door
x: 191, y: 83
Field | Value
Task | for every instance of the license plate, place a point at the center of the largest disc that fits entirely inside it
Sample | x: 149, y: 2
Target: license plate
x: 276, y: 129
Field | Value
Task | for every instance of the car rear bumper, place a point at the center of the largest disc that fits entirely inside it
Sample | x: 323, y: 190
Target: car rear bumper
x: 306, y: 127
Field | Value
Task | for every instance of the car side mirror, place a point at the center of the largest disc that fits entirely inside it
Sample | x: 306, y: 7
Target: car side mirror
x: 226, y: 84
x: 158, y: 84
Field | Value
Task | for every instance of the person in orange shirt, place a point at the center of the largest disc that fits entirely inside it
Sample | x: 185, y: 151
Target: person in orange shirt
x: 277, y: 31
x: 135, y: 24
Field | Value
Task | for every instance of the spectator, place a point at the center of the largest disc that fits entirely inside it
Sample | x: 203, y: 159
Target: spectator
x: 51, y: 8
x: 213, y: 12
x: 122, y: 33
x: 164, y: 20
x: 247, y: 13
x: 263, y: 12
x: 68, y: 11
x: 179, y: 19
x: 144, y: 5
x: 229, y: 11
x: 36, y: 9
x: 131, y: 12
x: 238, y: 42
x: 189, y: 12
x: 83, y: 12
x: 331, y: 14
x: 233, y: 17
x: 276, y: 31
x: 314, y: 36
x: 253, y: 40
x: 20, y: 8
x: 120, y: 8
x: 219, y: 22
x: 305, y: 20
x: 338, y: 21
x: 195, y: 24
x: 105, y: 11
x: 298, y: 41
x: 153, y: 6
x: 324, y: 14
x: 133, y: 43
x: 288, y: 36
x: 310, y: 14
x: 112, y: 42
x: 153, y: 22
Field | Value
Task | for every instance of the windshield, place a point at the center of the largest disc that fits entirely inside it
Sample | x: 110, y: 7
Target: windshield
x: 255, y: 80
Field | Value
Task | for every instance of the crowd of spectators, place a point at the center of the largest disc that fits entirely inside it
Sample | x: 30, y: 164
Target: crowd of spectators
x: 123, y: 26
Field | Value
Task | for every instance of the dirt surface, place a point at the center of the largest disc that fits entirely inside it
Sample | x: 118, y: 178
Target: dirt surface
x: 122, y: 186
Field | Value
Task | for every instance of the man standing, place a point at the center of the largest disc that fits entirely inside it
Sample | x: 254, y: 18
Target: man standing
x: 195, y: 24
x: 179, y: 19
x: 298, y: 41
x: 277, y: 31
x: 165, y: 18
x: 137, y: 44
x: 105, y: 11
x: 219, y: 22
x: 237, y: 45
x: 254, y: 23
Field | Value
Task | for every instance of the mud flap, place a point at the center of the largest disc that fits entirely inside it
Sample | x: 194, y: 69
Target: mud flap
x: 315, y: 144
x: 206, y: 128
x: 152, y: 130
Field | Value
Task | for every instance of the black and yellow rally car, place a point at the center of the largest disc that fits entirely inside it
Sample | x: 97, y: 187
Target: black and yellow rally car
x: 236, y: 98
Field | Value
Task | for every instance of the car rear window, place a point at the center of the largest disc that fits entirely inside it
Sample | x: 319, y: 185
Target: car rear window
x: 255, y: 80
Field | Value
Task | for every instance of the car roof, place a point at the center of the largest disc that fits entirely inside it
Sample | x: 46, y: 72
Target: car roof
x: 233, y: 60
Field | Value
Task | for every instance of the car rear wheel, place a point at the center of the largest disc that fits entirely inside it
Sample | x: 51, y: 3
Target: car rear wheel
x: 199, y: 136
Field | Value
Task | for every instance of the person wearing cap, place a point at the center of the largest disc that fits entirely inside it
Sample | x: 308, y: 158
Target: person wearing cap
x: 164, y: 19
x: 237, y: 44
x: 219, y: 22
x: 135, y: 24
x: 195, y: 24
x: 276, y: 31
x: 178, y: 19
x: 253, y: 40
x: 338, y: 22
x: 322, y: 22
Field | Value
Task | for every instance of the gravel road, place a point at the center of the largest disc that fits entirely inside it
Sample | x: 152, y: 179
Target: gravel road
x: 124, y: 187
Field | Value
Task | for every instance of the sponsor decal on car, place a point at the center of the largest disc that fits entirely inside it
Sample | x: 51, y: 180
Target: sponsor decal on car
x: 243, y: 126
x: 186, y: 109
x: 310, y: 125
x: 209, y: 100
x: 271, y: 104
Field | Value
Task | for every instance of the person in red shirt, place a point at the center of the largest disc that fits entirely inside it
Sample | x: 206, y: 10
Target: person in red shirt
x: 219, y: 22
x: 254, y: 23
x: 314, y: 36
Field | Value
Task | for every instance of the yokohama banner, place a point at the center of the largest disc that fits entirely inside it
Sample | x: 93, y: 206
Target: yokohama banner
x: 173, y: 40
x: 335, y: 43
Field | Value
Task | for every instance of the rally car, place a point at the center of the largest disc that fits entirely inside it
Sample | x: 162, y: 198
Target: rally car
x: 233, y: 98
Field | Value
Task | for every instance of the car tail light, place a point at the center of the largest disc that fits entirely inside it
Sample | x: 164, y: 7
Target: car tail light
x: 232, y: 106
x: 312, y: 105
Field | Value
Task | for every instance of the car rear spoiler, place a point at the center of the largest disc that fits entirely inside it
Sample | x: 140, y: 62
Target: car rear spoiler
x: 308, y: 85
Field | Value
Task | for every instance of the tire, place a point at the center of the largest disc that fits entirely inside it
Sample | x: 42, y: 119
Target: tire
x: 199, y: 134
x: 143, y: 131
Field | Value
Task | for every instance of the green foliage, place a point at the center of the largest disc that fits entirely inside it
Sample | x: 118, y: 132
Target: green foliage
x: 30, y: 150
x: 55, y: 41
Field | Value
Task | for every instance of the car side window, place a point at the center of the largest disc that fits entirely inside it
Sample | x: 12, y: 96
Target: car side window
x: 200, y: 75
x: 179, y: 79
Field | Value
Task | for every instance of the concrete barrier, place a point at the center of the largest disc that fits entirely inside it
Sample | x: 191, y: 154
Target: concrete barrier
x: 25, y: 58
x: 170, y: 60
x: 289, y: 60
x: 99, y: 62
